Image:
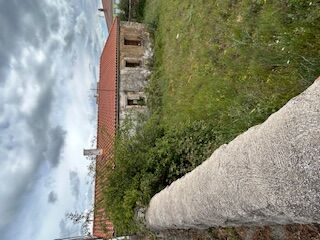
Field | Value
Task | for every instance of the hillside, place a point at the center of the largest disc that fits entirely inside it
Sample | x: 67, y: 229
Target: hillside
x: 220, y: 67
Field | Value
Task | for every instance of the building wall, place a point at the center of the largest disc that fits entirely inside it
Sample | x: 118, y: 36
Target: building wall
x: 108, y: 12
x: 135, y: 59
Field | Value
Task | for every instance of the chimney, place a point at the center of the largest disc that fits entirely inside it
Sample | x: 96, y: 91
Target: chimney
x: 92, y: 152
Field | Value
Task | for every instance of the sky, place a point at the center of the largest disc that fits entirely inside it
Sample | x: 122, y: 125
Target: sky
x: 49, y: 60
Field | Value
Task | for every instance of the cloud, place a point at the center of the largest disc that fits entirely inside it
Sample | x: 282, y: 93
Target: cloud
x: 64, y: 230
x: 56, y: 137
x: 24, y: 25
x: 80, y: 28
x: 81, y: 22
x: 43, y: 104
x: 75, y: 183
x: 52, y: 197
x: 30, y: 139
x: 69, y: 39
x: 68, y: 230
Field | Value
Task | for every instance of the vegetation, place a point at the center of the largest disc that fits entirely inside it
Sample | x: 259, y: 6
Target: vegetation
x: 134, y: 13
x: 220, y: 67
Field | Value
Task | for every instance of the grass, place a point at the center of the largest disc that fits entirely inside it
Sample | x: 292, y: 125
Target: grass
x: 220, y: 67
x: 233, y: 62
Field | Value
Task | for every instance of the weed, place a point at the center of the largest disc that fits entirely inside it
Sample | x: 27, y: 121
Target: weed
x: 220, y: 67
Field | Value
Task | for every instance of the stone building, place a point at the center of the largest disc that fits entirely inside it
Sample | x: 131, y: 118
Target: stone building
x: 120, y: 95
x: 135, y: 57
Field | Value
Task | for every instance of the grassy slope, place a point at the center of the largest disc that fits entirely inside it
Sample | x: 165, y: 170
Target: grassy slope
x: 233, y: 63
x: 220, y: 67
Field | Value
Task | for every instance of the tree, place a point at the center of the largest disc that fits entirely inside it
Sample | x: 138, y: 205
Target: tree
x: 85, y: 218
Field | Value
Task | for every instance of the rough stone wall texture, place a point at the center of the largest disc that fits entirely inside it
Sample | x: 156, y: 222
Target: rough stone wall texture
x: 268, y: 175
x: 133, y: 79
x: 135, y: 31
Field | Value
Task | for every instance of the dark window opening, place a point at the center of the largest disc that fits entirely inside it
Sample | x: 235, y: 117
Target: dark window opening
x: 136, y: 102
x: 133, y: 64
x: 132, y: 42
x: 132, y: 102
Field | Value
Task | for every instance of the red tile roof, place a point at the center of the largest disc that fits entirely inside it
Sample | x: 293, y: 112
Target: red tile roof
x: 107, y: 123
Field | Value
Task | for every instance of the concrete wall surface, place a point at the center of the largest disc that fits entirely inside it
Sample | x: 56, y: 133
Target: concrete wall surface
x: 268, y: 175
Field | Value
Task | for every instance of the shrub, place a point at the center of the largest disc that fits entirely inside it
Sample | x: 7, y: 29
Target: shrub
x: 136, y: 10
x: 150, y: 160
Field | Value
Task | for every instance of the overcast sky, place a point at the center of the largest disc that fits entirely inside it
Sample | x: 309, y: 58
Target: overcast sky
x: 49, y: 60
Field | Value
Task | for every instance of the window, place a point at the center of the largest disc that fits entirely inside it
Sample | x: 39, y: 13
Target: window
x: 136, y: 102
x: 132, y: 42
x: 133, y: 64
x: 132, y: 102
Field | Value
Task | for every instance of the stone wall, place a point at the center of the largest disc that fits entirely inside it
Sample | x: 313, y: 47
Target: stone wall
x: 135, y: 56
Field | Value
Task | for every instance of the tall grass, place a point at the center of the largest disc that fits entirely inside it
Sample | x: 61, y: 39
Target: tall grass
x: 220, y: 67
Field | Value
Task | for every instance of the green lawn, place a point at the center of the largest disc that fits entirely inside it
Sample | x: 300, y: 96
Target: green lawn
x: 220, y: 67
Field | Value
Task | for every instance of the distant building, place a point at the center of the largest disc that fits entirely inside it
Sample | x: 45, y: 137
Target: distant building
x: 120, y: 95
x: 107, y: 8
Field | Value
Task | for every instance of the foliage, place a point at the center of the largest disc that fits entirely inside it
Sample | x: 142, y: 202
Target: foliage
x: 84, y: 218
x: 136, y: 11
x: 124, y: 8
x: 220, y: 67
x: 150, y: 160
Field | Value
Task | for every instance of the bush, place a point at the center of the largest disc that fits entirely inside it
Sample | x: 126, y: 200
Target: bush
x: 150, y: 160
x: 220, y: 67
x: 136, y: 11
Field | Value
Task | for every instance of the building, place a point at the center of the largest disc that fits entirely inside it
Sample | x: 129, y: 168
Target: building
x: 134, y: 63
x: 107, y: 92
x: 107, y: 8
x: 124, y: 72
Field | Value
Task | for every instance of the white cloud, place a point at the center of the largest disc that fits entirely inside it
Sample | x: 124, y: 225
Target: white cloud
x: 81, y: 21
x: 46, y: 114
